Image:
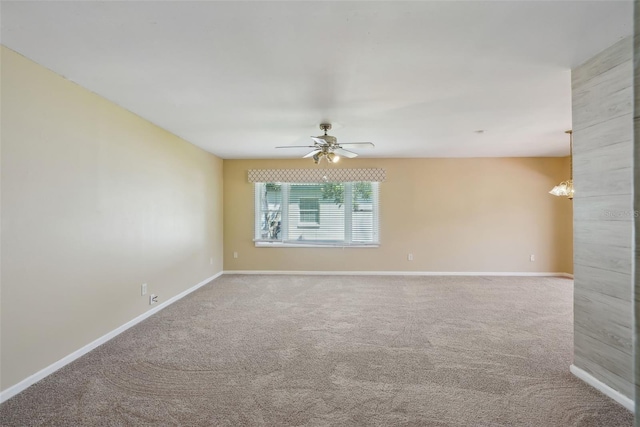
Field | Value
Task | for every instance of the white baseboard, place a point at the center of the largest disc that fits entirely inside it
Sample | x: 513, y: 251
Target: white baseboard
x: 397, y: 273
x: 29, y: 381
x: 603, y: 388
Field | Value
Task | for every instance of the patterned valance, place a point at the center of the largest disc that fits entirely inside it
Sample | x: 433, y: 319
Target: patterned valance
x: 316, y: 175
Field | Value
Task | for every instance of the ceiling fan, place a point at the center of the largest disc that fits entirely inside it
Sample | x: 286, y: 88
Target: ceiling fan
x: 326, y: 146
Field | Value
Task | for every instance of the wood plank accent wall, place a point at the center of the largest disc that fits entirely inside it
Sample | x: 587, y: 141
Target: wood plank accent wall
x: 604, y: 216
x: 636, y: 200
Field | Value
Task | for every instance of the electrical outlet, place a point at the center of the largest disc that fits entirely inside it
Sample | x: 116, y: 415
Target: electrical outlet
x: 532, y: 258
x: 211, y: 260
x: 143, y: 289
x: 153, y: 299
x: 410, y: 257
x: 235, y: 254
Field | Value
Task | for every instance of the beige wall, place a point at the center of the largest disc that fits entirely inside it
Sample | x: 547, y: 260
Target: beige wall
x: 454, y: 215
x: 95, y: 202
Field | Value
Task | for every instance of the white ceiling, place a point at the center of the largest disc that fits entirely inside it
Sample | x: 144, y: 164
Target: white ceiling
x: 416, y: 78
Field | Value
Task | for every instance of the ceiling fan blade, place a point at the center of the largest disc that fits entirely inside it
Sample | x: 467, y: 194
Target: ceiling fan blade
x: 319, y: 140
x: 297, y: 146
x: 345, y: 153
x: 311, y: 153
x: 358, y: 144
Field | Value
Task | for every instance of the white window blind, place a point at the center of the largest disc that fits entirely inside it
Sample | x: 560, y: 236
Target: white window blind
x: 314, y: 214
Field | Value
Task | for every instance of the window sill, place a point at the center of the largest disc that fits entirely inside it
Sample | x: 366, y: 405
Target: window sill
x: 261, y: 244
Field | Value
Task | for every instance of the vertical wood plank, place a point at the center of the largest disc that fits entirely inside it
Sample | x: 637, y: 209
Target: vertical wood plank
x: 636, y: 203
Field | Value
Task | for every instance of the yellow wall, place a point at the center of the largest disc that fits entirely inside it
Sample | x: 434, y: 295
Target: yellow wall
x: 453, y: 215
x: 95, y: 202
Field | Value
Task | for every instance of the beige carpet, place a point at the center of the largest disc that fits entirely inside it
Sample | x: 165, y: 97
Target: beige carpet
x: 335, y: 351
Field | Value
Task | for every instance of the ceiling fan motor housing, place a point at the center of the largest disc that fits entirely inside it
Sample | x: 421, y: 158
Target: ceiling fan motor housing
x: 331, y: 140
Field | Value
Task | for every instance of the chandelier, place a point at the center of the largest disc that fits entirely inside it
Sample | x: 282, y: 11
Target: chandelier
x: 565, y: 188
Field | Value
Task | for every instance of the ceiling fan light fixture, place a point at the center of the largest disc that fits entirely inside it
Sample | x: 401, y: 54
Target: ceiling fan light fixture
x: 316, y: 158
x: 333, y: 157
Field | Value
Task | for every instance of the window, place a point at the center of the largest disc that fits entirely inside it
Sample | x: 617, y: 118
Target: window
x: 269, y: 212
x: 314, y: 214
x: 309, y: 212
